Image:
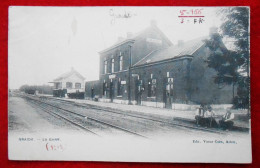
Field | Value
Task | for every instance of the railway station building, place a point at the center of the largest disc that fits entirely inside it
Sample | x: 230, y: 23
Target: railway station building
x: 147, y: 69
x: 69, y: 84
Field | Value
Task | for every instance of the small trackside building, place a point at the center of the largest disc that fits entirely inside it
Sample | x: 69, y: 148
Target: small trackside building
x: 69, y: 84
x: 147, y: 69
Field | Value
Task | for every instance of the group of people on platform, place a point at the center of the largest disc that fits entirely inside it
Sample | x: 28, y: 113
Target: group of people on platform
x: 205, y: 116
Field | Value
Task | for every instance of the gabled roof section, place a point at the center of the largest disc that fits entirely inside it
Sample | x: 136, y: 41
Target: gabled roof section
x: 186, y: 48
x: 118, y: 44
x: 68, y: 74
x: 138, y: 35
x: 163, y: 35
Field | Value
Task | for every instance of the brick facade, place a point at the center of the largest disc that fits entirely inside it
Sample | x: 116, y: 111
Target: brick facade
x: 157, y: 79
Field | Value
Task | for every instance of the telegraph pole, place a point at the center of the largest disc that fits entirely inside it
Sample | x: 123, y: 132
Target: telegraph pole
x: 129, y: 74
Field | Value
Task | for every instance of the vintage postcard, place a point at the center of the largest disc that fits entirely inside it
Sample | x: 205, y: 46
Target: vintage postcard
x: 129, y: 84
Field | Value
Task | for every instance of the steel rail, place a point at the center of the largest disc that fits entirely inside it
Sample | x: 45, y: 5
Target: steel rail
x: 146, y: 118
x: 66, y: 119
x: 91, y: 118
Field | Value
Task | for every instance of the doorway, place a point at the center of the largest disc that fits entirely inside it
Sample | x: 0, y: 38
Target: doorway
x: 92, y: 93
x: 138, y: 91
x: 111, y: 91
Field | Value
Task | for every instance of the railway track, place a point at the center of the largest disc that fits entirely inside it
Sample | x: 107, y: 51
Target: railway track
x: 144, y: 117
x: 83, y: 117
x: 190, y: 125
x: 171, y: 123
x: 75, y: 123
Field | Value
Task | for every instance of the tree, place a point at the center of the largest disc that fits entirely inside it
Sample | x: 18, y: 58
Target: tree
x: 232, y: 66
x: 31, y: 89
x: 236, y: 26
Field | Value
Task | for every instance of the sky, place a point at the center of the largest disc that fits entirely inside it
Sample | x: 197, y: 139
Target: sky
x: 45, y: 42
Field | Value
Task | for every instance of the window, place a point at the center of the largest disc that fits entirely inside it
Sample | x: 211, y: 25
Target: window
x: 120, y: 63
x: 112, y: 65
x: 68, y: 85
x: 105, y: 67
x: 58, y: 85
x: 152, y: 88
x: 77, y: 85
x: 119, y: 87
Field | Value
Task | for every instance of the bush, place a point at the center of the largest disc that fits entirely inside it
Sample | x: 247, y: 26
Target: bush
x: 31, y: 89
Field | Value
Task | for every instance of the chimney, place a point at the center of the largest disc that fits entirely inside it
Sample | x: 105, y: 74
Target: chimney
x: 129, y: 34
x: 180, y: 43
x: 213, y: 30
x: 153, y: 23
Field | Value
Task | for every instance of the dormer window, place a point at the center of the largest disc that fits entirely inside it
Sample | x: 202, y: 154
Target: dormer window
x: 148, y: 61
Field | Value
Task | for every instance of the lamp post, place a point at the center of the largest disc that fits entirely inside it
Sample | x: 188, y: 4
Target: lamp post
x: 129, y: 73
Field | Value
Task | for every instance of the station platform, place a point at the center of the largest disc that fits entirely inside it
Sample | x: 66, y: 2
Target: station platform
x: 163, y: 113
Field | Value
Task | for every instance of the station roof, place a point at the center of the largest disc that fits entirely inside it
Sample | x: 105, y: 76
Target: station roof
x: 184, y: 49
x: 68, y: 74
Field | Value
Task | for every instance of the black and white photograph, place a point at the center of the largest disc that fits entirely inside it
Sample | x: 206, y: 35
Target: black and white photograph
x: 129, y: 84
